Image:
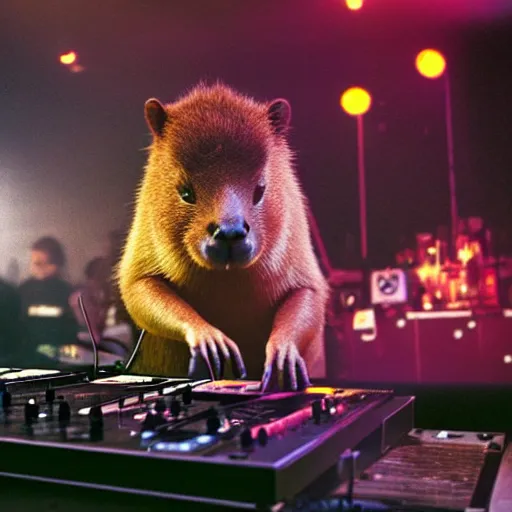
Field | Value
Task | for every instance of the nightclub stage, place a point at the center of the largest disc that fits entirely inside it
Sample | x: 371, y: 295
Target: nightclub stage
x: 457, y: 365
x: 431, y: 348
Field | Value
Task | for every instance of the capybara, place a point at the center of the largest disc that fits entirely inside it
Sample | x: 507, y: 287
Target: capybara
x: 219, y: 258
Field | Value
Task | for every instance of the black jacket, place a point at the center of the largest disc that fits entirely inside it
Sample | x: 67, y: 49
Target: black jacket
x: 10, y: 312
x: 47, y: 317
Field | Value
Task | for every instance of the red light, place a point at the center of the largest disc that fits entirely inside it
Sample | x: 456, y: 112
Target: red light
x: 354, y: 5
x: 68, y: 58
x: 280, y: 426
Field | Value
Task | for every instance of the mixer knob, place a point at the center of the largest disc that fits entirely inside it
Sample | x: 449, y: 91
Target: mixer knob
x: 262, y: 437
x: 175, y: 408
x: 246, y: 440
x: 95, y: 434
x: 212, y: 422
x: 96, y: 415
x: 152, y: 421
x: 64, y: 412
x: 149, y: 422
x: 212, y: 425
x: 330, y: 407
x: 5, y: 396
x: 96, y: 423
x: 50, y: 396
x: 187, y: 396
x: 31, y: 412
x: 160, y: 405
x: 316, y: 410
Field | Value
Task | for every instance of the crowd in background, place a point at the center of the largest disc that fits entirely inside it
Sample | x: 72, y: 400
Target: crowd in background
x: 43, y: 314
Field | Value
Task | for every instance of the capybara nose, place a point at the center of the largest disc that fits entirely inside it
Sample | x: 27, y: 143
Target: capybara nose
x: 229, y: 231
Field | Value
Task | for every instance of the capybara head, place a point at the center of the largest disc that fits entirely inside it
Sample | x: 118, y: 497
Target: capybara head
x: 215, y: 171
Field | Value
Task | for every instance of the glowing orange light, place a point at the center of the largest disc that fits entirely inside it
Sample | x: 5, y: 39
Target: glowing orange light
x: 465, y: 254
x: 354, y: 5
x: 320, y: 390
x: 355, y: 101
x: 68, y: 58
x: 430, y: 63
x: 427, y: 302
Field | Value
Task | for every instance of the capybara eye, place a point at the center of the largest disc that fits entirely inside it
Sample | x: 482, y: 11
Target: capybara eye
x: 258, y: 194
x: 186, y: 193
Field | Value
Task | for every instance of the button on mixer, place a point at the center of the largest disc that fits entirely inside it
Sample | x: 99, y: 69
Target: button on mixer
x: 246, y: 440
x: 187, y: 396
x: 175, y: 408
x: 64, y: 412
x: 96, y: 423
x: 149, y: 423
x: 262, y: 437
x: 212, y: 422
x: 5, y: 396
x: 96, y: 415
x: 50, y: 396
x: 152, y: 421
x: 160, y: 405
x: 329, y: 407
x: 316, y: 411
x: 31, y: 412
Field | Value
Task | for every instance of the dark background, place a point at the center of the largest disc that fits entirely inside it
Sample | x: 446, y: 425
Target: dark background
x: 71, y: 144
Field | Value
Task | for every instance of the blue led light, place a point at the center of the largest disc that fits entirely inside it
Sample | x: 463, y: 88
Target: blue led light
x: 204, y: 439
x: 148, y: 434
x: 183, y: 446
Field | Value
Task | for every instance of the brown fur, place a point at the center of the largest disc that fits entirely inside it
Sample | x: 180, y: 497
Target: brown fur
x: 218, y: 140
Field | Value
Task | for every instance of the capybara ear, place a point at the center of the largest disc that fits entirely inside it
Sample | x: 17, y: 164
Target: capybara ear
x: 156, y: 116
x: 279, y: 114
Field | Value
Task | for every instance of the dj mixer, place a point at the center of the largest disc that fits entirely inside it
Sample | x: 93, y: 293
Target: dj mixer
x: 220, y: 443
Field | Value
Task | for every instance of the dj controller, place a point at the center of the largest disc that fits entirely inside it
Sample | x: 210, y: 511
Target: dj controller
x: 176, y: 442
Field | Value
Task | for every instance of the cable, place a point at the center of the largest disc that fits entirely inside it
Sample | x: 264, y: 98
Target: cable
x: 135, y: 350
x: 93, y: 340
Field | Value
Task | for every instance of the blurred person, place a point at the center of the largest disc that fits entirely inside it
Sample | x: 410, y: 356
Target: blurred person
x: 95, y: 295
x: 12, y: 274
x: 109, y: 330
x: 119, y: 324
x: 47, y: 316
